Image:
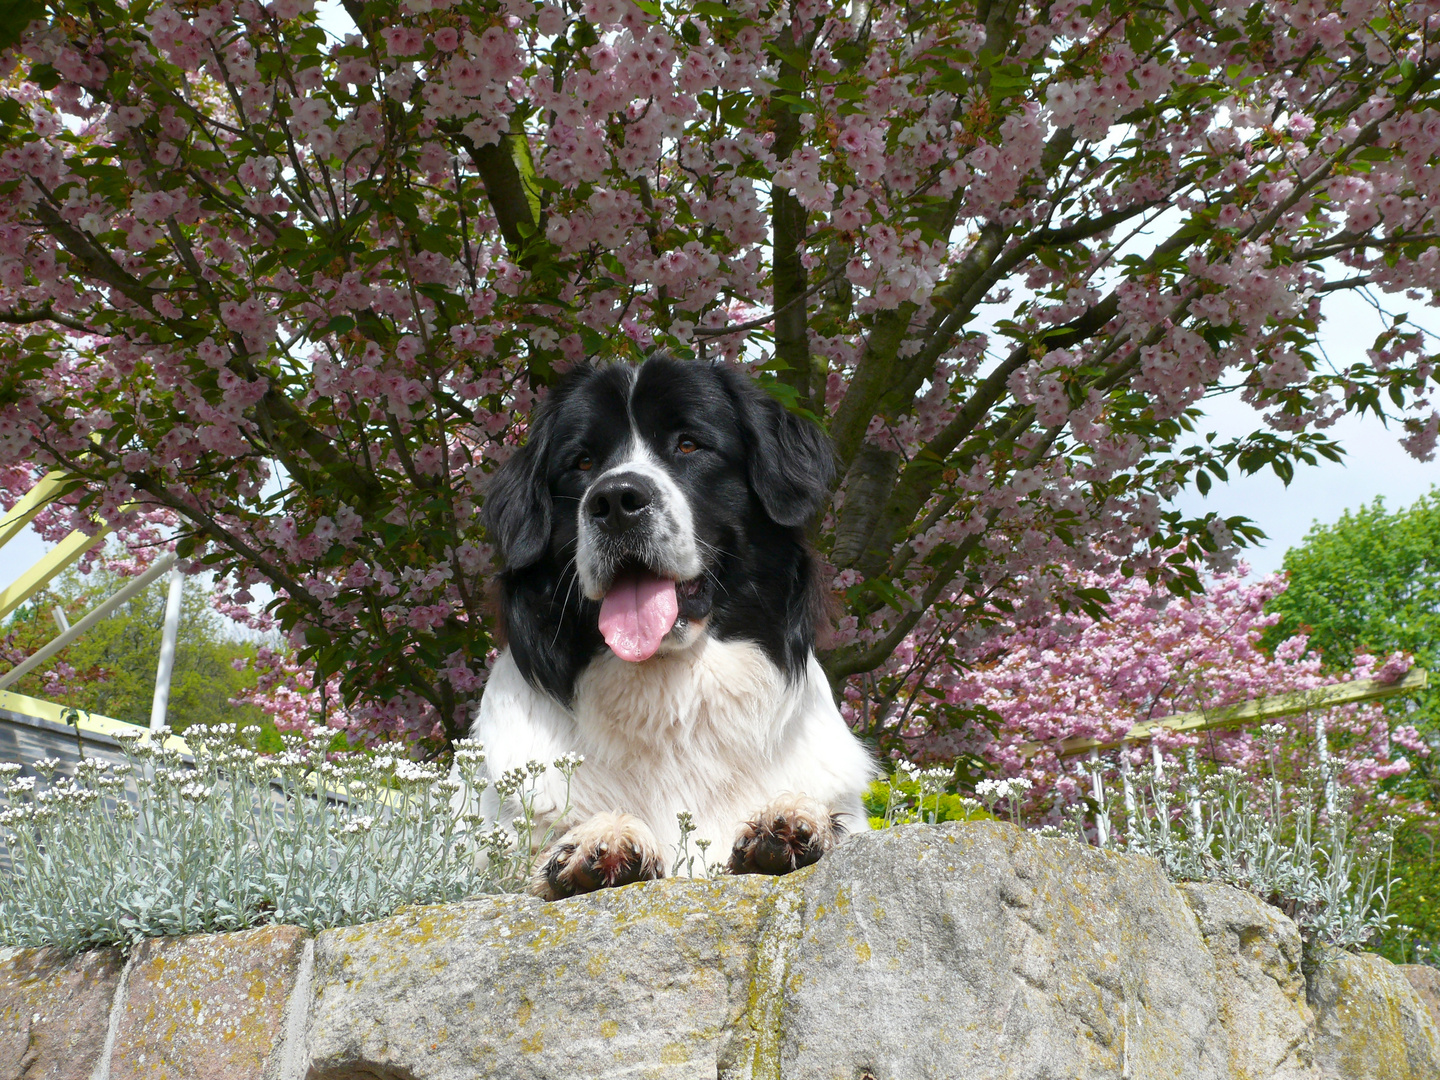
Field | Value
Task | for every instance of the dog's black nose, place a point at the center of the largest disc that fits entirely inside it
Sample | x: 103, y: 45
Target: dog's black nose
x: 619, y: 503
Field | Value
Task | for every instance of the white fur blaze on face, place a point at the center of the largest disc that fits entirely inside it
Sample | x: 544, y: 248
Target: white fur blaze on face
x: 667, y: 545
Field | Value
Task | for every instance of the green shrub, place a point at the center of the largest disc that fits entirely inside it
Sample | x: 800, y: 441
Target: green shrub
x: 918, y: 795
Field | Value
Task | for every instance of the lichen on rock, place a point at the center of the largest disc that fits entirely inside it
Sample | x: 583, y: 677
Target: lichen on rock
x: 966, y: 949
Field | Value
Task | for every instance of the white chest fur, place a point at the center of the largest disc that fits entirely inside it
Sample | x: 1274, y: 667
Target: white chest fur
x: 715, y: 729
x: 723, y: 698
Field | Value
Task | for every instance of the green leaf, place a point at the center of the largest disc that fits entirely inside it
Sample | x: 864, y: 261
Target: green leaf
x: 887, y: 592
x: 45, y: 76
x: 11, y: 114
x: 293, y: 238
x: 15, y: 16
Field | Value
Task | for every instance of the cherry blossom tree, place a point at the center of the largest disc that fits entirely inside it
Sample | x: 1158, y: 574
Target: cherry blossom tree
x: 1151, y: 654
x: 293, y: 292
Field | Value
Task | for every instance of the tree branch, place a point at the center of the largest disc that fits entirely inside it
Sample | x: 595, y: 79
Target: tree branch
x: 849, y: 662
x: 45, y: 313
x: 789, y: 281
x: 504, y: 186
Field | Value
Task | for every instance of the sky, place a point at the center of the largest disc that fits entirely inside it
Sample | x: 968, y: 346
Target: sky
x: 1375, y: 465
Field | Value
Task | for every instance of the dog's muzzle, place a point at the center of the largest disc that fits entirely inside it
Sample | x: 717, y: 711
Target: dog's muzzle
x: 639, y: 561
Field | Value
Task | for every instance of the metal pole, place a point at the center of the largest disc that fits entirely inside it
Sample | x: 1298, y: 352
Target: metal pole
x: 167, y: 651
x: 1192, y: 788
x: 1322, y: 745
x: 1102, y: 811
x: 101, y: 610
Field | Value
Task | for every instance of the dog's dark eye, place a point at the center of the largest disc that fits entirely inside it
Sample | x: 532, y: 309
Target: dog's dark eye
x: 584, y: 462
x: 686, y: 446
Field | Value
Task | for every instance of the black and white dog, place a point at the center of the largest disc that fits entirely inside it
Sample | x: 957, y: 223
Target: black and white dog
x: 660, y: 605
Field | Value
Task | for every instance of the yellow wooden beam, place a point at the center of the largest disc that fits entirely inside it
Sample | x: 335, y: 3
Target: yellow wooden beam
x: 90, y: 723
x: 1250, y: 712
x: 51, y: 563
x: 51, y: 487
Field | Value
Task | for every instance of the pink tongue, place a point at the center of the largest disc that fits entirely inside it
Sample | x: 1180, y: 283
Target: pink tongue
x: 636, y: 613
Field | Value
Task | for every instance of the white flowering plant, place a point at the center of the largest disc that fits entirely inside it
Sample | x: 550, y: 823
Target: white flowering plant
x: 1009, y: 793
x: 693, y: 864
x: 1292, y: 841
x: 1295, y: 845
x: 158, y: 846
x: 912, y: 794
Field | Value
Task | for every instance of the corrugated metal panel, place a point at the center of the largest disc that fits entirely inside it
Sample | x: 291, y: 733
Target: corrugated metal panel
x: 27, y: 739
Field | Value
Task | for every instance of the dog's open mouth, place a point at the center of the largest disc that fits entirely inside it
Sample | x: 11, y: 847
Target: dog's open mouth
x: 641, y: 607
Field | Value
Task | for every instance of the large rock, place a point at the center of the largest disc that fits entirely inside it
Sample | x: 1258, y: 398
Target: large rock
x: 1261, y: 984
x: 964, y: 950
x: 55, y: 1011
x: 208, y: 1006
x: 1426, y: 981
x: 968, y: 950
x: 984, y: 951
x: 1370, y: 1023
x: 643, y: 981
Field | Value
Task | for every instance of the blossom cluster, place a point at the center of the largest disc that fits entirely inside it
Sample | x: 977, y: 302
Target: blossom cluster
x: 1149, y: 655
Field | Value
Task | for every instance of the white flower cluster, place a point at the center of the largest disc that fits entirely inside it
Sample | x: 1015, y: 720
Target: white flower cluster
x: 1008, y: 788
x: 161, y: 845
x: 1294, y: 845
x: 1010, y: 791
x: 914, y: 795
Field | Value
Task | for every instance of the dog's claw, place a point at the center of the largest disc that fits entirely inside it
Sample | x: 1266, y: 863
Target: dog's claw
x: 790, y: 833
x: 605, y: 852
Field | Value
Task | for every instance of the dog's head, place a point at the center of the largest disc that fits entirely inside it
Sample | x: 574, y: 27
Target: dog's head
x: 656, y: 493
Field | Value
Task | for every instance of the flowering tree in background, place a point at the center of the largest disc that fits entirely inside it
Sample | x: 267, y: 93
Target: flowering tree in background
x: 1151, y: 655
x: 294, y: 294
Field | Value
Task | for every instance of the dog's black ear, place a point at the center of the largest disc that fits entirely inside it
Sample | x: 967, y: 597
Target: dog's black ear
x: 516, y: 513
x: 791, y: 460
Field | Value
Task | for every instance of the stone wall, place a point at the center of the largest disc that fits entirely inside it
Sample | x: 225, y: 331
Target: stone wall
x: 973, y: 950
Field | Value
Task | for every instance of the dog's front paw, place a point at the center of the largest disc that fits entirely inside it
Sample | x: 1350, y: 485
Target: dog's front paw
x: 604, y: 852
x: 793, y: 831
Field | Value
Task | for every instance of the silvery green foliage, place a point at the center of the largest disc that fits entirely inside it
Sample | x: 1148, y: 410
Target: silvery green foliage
x: 1292, y: 845
x: 696, y: 864
x: 304, y: 837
